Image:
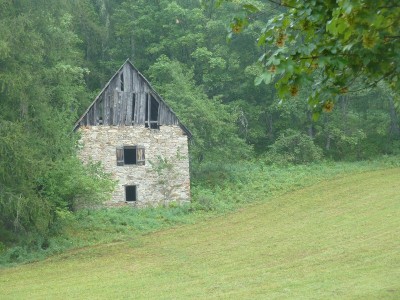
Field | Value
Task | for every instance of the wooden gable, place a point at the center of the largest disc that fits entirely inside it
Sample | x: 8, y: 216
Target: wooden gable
x: 128, y: 99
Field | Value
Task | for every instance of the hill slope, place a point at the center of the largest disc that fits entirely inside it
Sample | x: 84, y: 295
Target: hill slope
x: 337, y: 239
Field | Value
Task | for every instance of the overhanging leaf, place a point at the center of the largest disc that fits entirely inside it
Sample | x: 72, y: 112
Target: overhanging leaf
x: 266, y: 77
x: 251, y: 8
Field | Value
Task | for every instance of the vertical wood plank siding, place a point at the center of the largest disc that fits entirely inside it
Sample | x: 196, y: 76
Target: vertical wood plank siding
x: 113, y: 106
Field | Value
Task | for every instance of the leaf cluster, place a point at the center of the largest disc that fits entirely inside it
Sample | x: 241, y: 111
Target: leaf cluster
x: 336, y: 47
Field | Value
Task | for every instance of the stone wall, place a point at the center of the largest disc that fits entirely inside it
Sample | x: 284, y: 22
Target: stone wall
x: 169, y: 143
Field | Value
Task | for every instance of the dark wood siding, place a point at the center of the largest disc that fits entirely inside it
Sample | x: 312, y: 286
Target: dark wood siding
x: 114, y: 105
x: 117, y: 104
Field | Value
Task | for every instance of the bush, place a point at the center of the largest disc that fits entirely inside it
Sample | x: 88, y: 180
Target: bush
x: 295, y: 148
x: 203, y: 200
x: 70, y: 185
x: 211, y: 174
x: 67, y: 186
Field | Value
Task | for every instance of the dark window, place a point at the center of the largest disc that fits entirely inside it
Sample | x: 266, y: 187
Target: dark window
x: 130, y: 193
x: 130, y: 155
x: 108, y: 111
x: 151, y: 117
x: 154, y: 109
x: 133, y: 107
x: 121, y: 77
x: 101, y: 111
x: 146, y: 117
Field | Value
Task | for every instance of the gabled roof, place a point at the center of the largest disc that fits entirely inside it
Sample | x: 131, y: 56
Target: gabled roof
x: 159, y: 98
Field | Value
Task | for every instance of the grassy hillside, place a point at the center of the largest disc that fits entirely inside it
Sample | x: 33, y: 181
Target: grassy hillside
x: 337, y: 239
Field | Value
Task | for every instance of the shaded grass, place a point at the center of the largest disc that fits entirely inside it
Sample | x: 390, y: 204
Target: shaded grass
x: 335, y: 239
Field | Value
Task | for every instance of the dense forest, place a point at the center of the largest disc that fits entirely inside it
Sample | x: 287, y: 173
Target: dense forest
x: 56, y: 55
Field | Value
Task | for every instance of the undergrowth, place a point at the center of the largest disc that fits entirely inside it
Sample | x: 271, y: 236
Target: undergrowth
x: 216, y: 190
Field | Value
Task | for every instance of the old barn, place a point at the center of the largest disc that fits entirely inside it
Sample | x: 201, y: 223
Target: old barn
x: 139, y: 140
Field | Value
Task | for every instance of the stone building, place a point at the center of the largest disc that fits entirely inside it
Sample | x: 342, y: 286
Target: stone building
x: 138, y: 139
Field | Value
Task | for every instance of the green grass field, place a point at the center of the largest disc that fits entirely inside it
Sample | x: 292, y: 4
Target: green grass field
x: 337, y: 239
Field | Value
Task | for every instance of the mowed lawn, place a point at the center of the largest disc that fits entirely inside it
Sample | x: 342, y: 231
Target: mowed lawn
x: 337, y: 239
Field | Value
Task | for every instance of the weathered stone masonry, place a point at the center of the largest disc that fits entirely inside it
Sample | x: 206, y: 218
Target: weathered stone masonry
x: 99, y: 143
x: 132, y: 131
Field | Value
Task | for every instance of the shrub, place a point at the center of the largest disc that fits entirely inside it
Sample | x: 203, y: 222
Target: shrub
x: 204, y: 200
x: 293, y: 147
x: 70, y: 185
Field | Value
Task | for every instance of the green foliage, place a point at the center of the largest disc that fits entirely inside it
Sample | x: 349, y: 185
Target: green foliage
x: 212, y: 123
x: 20, y: 165
x: 293, y: 147
x: 166, y: 175
x: 336, y: 46
x: 41, y: 87
x: 359, y: 128
x: 61, y: 187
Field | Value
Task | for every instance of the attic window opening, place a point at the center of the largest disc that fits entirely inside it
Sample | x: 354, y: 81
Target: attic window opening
x: 100, y: 111
x: 152, y: 112
x: 130, y: 155
x: 133, y: 107
x: 121, y: 77
x: 130, y: 193
x: 154, y: 109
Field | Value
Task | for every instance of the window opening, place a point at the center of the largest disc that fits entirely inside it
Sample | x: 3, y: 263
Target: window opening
x: 130, y: 193
x: 151, y: 117
x: 101, y: 111
x: 121, y: 77
x: 130, y: 155
x: 146, y: 117
x: 154, y: 109
x: 133, y: 107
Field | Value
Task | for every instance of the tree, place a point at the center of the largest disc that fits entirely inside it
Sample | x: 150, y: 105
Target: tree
x: 212, y: 123
x: 336, y: 46
x: 41, y: 88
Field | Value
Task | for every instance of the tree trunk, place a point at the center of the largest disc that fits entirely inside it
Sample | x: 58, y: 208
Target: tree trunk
x: 311, y: 126
x: 343, y: 104
x: 394, y: 120
x: 328, y: 134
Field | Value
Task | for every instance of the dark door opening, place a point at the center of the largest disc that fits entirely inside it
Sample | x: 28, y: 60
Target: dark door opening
x: 130, y: 193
